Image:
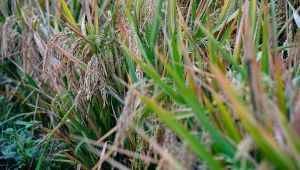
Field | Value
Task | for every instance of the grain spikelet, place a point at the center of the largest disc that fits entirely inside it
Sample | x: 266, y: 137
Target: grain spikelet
x: 126, y: 119
x: 149, y: 7
x: 186, y: 157
x: 75, y: 51
x: 243, y: 148
x: 94, y: 79
x: 21, y: 41
x: 133, y: 46
x: 54, y: 61
x: 183, y: 5
x: 178, y: 149
x: 293, y: 93
x: 10, y: 35
x: 1, y: 38
x: 31, y: 58
x: 52, y: 58
x: 170, y: 139
x: 84, y: 58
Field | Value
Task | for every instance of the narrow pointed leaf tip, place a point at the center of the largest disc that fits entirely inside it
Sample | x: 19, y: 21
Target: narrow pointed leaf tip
x: 295, y: 15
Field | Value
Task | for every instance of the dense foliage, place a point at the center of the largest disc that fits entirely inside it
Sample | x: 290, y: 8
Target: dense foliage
x: 149, y: 84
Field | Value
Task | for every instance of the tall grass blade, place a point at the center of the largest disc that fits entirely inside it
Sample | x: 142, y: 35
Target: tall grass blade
x: 68, y: 12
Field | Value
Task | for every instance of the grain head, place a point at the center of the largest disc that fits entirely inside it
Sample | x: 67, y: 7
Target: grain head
x: 126, y: 119
x: 10, y: 36
x: 94, y: 79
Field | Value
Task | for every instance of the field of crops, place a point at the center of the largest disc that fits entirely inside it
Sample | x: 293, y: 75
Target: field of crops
x: 150, y: 84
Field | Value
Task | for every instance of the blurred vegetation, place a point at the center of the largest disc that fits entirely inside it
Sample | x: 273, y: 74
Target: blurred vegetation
x: 149, y: 84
